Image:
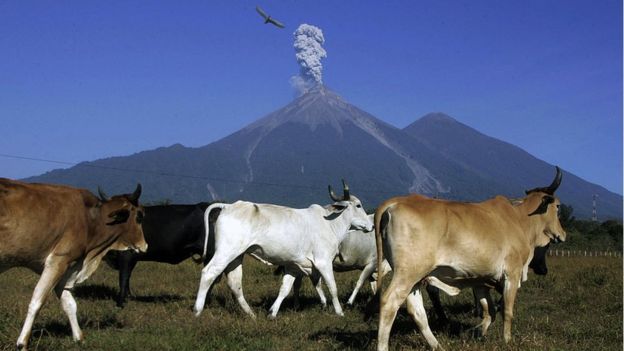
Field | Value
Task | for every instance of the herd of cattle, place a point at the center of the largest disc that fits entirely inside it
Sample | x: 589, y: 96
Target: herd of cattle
x: 62, y: 233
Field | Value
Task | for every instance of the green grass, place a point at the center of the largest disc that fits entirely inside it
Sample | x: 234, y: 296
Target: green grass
x: 577, y: 306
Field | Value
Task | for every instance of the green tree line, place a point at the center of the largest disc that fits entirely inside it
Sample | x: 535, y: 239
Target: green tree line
x: 589, y: 235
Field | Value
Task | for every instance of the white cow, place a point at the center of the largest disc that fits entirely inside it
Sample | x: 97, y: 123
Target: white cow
x: 358, y: 251
x: 304, y: 241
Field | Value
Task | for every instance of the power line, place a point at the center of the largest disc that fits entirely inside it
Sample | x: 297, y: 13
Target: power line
x: 166, y: 174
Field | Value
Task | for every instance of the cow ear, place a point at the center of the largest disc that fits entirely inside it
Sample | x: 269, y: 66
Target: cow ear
x: 543, y: 206
x: 339, y: 206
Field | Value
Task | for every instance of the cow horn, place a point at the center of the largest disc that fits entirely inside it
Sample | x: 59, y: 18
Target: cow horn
x: 102, y: 195
x: 345, y: 189
x: 550, y: 190
x: 134, y: 198
x: 556, y: 182
x: 332, y: 195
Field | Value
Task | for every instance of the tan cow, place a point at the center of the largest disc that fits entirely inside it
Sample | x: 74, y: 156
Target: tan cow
x: 463, y: 244
x: 62, y: 233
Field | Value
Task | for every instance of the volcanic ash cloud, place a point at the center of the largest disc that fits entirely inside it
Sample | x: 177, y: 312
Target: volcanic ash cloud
x: 309, y: 52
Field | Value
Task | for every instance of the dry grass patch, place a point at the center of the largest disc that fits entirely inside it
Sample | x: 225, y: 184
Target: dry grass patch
x: 577, y: 306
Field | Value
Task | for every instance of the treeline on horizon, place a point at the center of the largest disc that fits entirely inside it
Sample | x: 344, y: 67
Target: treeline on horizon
x: 588, y: 234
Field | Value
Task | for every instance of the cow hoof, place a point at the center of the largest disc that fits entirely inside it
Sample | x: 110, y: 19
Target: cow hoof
x: 21, y: 347
x: 271, y: 317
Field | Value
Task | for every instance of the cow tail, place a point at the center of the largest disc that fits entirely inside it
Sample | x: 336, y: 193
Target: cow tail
x: 381, y: 221
x: 207, y: 225
x: 379, y: 243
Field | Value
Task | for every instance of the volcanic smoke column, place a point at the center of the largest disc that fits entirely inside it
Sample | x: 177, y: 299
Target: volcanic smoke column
x: 309, y: 52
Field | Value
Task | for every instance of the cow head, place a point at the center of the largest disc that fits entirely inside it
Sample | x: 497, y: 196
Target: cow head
x: 544, y: 211
x: 352, y: 206
x: 122, y: 216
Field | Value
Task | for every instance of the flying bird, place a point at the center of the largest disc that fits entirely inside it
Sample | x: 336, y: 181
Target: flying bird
x: 268, y: 19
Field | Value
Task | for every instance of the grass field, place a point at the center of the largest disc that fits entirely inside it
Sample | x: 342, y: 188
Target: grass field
x: 577, y: 306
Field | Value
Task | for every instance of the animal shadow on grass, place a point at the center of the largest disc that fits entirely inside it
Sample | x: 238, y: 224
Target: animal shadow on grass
x: 104, y: 292
x: 360, y: 340
x: 162, y: 298
x: 61, y: 328
x: 451, y: 326
x: 95, y: 292
x: 305, y: 303
x: 405, y: 324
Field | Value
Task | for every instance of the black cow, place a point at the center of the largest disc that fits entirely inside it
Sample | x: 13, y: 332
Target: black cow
x: 173, y: 234
x: 538, y: 263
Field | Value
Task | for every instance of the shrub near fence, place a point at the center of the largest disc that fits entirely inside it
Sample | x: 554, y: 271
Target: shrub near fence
x: 584, y: 253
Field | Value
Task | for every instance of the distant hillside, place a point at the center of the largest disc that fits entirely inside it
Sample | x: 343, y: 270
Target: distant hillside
x: 291, y: 155
x: 505, y: 163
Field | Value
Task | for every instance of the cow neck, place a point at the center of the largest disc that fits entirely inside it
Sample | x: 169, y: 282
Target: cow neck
x: 99, y: 243
x: 102, y: 235
x: 530, y: 224
x: 339, y: 225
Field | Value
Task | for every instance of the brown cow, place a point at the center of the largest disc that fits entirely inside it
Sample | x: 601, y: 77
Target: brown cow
x: 464, y: 245
x: 62, y: 233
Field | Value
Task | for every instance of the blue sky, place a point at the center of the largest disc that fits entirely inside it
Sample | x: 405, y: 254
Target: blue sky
x: 85, y: 80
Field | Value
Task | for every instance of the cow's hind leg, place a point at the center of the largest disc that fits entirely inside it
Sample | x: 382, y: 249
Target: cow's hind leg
x: 234, y: 274
x: 213, y: 269
x: 434, y: 296
x: 366, y: 273
x: 416, y: 308
x: 488, y: 309
x: 287, y: 283
x: 63, y: 292
x: 52, y: 273
x: 392, y: 298
x: 297, y: 291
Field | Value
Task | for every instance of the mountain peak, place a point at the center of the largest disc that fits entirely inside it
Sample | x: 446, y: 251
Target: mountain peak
x: 317, y: 106
x: 437, y: 117
x: 319, y: 94
x: 437, y: 120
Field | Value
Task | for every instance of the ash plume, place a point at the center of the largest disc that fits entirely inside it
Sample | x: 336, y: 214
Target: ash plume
x: 309, y: 52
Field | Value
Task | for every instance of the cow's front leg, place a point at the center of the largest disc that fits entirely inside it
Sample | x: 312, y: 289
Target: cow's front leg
x: 317, y: 281
x: 509, y: 298
x: 127, y: 262
x: 327, y: 272
x: 52, y: 273
x: 366, y: 273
